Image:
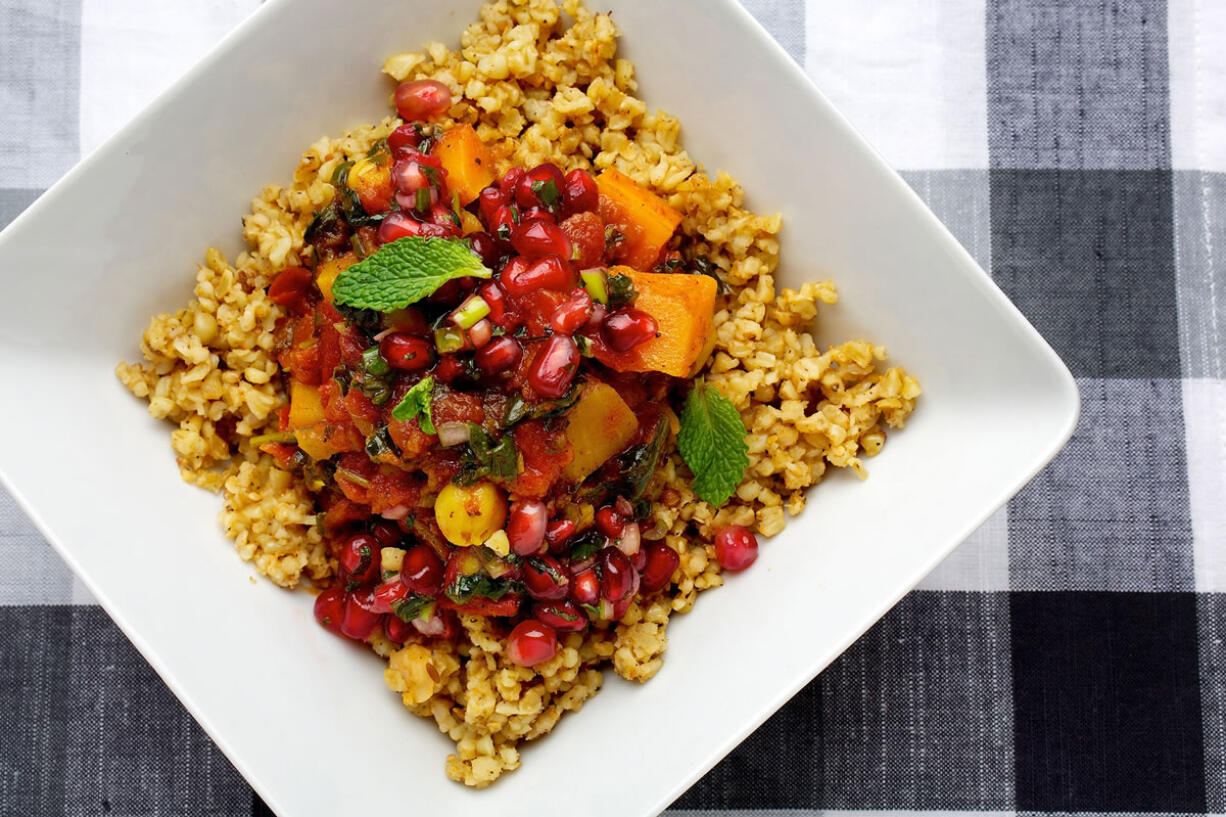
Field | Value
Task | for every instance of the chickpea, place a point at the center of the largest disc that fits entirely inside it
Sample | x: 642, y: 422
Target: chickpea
x: 470, y: 515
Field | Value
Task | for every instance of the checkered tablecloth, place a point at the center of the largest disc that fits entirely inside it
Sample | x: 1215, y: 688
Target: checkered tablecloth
x: 1068, y: 658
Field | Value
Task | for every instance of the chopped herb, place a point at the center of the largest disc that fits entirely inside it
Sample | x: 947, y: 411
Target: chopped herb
x: 639, y: 463
x: 520, y: 409
x: 413, y: 607
x: 376, y: 376
x: 380, y: 443
x: 547, y: 191
x: 274, y: 437
x: 485, y: 458
x: 464, y: 588
x: 587, y: 544
x: 417, y: 402
x: 422, y: 201
x: 621, y: 291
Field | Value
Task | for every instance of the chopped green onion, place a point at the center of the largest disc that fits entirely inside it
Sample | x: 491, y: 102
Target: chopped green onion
x: 585, y: 346
x: 468, y: 313
x: 373, y: 363
x: 353, y: 476
x: 594, y: 282
x: 423, y: 199
x: 274, y: 437
x: 448, y: 339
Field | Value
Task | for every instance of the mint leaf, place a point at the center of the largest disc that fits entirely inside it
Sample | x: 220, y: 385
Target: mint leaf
x: 405, y: 271
x: 712, y: 442
x: 417, y: 402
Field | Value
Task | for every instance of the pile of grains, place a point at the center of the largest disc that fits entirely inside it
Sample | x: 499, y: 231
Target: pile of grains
x: 537, y: 87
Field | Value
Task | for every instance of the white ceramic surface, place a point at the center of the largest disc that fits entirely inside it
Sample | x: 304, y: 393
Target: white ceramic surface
x: 117, y: 239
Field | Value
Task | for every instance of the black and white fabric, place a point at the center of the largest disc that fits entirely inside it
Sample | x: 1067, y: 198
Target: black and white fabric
x: 1068, y: 658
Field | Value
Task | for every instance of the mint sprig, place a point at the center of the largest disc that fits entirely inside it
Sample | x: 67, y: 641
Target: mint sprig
x: 712, y: 443
x: 404, y: 271
x: 417, y: 402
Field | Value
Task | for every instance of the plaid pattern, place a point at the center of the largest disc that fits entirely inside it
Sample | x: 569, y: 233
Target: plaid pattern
x: 1068, y: 658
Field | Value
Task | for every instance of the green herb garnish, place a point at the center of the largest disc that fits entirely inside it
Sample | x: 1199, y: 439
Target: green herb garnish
x: 547, y: 192
x: 712, y: 442
x: 417, y: 402
x: 621, y: 290
x: 414, y: 606
x: 587, y: 544
x: 639, y: 463
x: 405, y: 271
x: 483, y: 457
x: 478, y: 584
x: 380, y: 443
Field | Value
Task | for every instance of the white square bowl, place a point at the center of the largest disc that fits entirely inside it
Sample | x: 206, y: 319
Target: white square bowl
x: 298, y: 711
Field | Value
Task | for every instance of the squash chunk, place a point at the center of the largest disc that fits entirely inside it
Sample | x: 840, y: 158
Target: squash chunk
x: 599, y: 425
x: 684, y: 308
x: 306, y: 407
x: 468, y: 162
x: 645, y: 221
x: 326, y: 272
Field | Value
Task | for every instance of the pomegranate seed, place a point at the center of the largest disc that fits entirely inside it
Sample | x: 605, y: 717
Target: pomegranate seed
x: 450, y: 293
x: 627, y: 328
x: 558, y: 532
x: 403, y: 139
x: 617, y: 574
x: 579, y: 193
x: 488, y: 202
x: 519, y: 277
x: 545, y: 579
x: 396, y: 630
x: 503, y: 223
x: 554, y: 368
x: 736, y: 547
x: 599, y: 313
x: 572, y: 313
x: 509, y: 179
x: 388, y: 594
x: 422, y: 571
x: 359, y: 558
x: 499, y: 355
x: 584, y: 587
x: 386, y: 533
x: 526, y: 188
x: 422, y: 99
x: 526, y: 526
x: 537, y: 213
x: 409, y: 177
x: 442, y: 215
x: 564, y: 616
x: 639, y: 560
x: 330, y: 609
x: 610, y: 522
x: 531, y: 643
x: 662, y: 563
x: 398, y: 225
x: 360, y: 617
x: 448, y: 369
x: 621, y: 607
x: 538, y: 238
x: 406, y: 352
x: 484, y: 247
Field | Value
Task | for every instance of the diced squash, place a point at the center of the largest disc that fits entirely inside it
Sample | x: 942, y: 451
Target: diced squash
x: 306, y: 406
x: 684, y: 308
x: 599, y: 425
x: 325, y: 439
x: 371, y: 178
x: 326, y: 272
x: 468, y: 162
x: 645, y: 220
